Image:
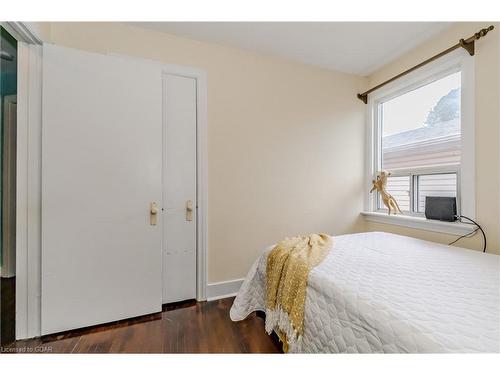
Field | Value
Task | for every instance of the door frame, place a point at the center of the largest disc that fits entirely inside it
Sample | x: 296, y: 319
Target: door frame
x: 28, y: 209
x: 28, y: 179
x: 200, y: 76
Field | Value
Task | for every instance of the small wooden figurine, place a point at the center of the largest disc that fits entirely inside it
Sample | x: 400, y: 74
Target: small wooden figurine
x: 381, y: 186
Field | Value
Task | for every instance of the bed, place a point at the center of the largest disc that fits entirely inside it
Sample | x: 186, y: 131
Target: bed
x: 383, y: 293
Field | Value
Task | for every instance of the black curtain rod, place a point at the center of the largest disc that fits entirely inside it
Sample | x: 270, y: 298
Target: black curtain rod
x: 467, y: 44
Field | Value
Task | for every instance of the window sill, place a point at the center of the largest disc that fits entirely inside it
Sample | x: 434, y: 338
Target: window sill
x: 454, y: 228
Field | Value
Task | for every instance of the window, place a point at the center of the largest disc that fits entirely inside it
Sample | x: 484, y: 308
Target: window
x: 435, y: 185
x: 422, y: 132
x: 420, y: 142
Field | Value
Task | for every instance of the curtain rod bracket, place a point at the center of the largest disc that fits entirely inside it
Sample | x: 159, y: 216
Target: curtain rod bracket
x: 363, y: 97
x: 469, y: 46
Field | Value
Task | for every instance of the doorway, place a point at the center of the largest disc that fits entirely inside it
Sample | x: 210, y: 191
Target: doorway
x: 99, y: 204
x: 34, y: 302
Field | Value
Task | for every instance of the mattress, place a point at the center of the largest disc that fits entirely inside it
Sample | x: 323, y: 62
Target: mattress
x: 383, y: 293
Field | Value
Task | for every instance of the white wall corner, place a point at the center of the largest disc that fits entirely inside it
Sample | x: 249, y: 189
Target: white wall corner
x: 41, y: 30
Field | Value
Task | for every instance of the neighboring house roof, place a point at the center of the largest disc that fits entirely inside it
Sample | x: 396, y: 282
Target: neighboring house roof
x: 425, y: 133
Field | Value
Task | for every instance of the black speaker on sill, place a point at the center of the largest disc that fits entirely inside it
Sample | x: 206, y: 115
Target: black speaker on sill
x: 441, y: 208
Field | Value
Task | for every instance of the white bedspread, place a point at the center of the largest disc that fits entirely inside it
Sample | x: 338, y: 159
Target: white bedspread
x: 379, y: 292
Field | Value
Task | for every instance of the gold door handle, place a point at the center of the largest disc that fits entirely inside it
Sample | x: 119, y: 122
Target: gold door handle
x: 153, y: 213
x: 189, y: 210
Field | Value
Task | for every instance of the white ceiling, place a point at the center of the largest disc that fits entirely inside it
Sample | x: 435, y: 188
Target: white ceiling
x: 351, y: 47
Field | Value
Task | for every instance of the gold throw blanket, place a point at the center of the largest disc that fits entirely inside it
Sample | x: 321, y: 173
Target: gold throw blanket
x: 287, y: 270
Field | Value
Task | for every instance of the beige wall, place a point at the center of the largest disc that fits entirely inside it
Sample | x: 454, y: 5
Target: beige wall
x: 285, y: 140
x: 487, y: 101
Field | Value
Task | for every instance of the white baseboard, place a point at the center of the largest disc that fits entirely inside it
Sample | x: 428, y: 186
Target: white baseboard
x: 223, y: 289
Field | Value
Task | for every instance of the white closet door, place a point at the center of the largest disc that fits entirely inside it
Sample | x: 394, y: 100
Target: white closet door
x: 101, y: 169
x: 179, y: 242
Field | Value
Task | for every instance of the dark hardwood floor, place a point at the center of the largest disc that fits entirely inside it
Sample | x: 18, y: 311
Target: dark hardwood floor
x: 190, y: 327
x: 7, y: 310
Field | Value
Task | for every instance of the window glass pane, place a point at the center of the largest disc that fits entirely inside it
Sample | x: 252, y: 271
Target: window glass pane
x: 436, y: 185
x: 422, y: 127
x: 399, y: 188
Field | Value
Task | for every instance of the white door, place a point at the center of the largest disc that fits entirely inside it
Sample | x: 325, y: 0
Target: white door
x: 101, y: 169
x: 179, y: 193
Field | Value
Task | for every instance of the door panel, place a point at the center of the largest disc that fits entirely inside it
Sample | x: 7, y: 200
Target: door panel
x: 101, y: 168
x: 179, y: 242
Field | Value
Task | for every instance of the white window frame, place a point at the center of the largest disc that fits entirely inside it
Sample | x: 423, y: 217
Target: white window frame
x: 457, y: 61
